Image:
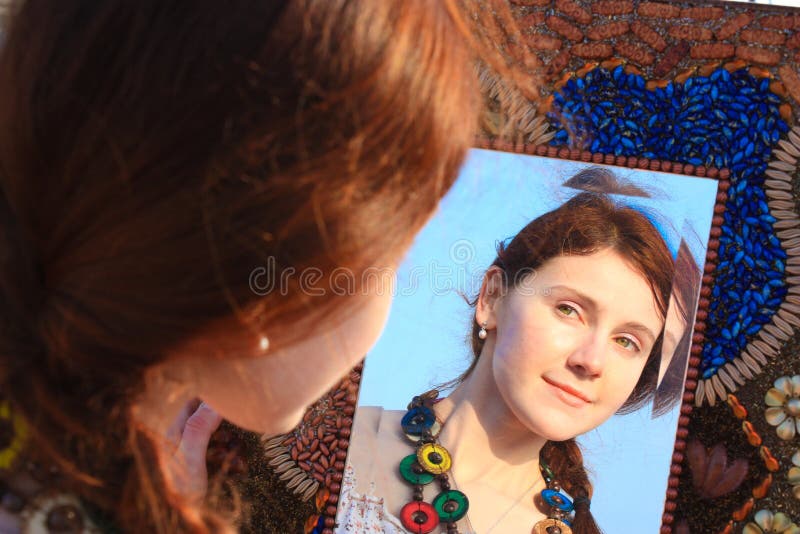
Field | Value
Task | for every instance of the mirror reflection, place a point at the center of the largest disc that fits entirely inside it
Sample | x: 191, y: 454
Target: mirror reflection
x: 547, y: 300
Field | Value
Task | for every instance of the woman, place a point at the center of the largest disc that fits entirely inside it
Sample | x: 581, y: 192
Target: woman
x: 567, y: 332
x: 157, y: 158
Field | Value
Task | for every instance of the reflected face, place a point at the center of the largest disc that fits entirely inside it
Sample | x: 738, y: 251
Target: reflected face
x: 572, y: 341
x: 269, y: 393
x: 674, y: 330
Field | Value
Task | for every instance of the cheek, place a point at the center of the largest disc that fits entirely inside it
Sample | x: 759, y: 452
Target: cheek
x: 270, y: 393
x: 359, y: 335
x: 622, y: 380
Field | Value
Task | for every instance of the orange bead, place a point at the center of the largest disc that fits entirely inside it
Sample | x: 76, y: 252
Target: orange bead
x: 739, y: 411
x: 743, y: 511
x: 583, y: 71
x: 611, y: 64
x: 758, y: 72
x: 760, y: 491
x: 685, y: 75
x: 657, y: 84
x: 322, y: 497
x: 769, y: 461
x: 311, y: 523
x: 752, y: 436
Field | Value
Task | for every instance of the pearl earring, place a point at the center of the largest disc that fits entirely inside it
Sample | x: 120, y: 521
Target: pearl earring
x: 482, y: 332
x: 264, y: 343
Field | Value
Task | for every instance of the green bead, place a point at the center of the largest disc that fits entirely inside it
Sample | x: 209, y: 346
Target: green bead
x: 444, y: 505
x: 411, y: 475
x: 546, y: 471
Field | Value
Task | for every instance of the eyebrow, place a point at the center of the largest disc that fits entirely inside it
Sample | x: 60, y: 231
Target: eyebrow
x: 592, y: 305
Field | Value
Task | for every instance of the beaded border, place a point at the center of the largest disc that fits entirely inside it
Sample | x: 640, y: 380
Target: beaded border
x: 769, y: 341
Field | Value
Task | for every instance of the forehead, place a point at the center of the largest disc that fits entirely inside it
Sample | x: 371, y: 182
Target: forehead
x: 605, y: 278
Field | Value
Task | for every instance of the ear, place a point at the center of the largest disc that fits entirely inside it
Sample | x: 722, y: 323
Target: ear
x: 492, y: 290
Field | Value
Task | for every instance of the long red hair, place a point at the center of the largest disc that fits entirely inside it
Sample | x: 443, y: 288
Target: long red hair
x: 153, y: 154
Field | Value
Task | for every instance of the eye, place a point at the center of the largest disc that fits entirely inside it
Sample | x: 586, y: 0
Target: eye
x: 628, y: 344
x: 567, y: 310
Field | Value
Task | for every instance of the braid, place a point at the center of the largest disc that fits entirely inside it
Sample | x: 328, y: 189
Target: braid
x: 566, y: 461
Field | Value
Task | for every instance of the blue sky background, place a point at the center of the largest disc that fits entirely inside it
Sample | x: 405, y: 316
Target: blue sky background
x: 425, y: 340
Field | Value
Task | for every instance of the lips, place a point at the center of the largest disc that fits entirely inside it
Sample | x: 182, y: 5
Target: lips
x: 568, y: 394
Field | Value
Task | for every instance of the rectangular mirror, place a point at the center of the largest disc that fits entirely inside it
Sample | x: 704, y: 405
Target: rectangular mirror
x: 426, y: 344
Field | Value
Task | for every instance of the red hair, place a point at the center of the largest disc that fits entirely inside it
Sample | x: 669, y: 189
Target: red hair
x: 154, y: 153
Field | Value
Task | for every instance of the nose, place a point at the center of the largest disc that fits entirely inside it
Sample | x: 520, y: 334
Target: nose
x: 588, y: 356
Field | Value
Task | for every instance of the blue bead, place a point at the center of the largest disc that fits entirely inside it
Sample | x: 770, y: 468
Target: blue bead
x: 557, y: 499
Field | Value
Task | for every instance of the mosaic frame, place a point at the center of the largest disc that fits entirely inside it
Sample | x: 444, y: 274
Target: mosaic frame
x: 631, y: 51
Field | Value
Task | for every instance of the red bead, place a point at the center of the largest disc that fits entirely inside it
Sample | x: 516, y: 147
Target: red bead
x: 419, y: 517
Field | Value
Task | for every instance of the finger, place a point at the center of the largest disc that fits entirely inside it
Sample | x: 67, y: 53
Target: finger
x: 175, y: 430
x: 196, y: 435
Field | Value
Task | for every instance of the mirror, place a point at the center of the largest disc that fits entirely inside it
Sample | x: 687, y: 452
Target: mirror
x: 426, y: 340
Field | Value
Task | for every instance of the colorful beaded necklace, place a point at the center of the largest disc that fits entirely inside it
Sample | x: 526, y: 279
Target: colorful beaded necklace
x: 432, y: 462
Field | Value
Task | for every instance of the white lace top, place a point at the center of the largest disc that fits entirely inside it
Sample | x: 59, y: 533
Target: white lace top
x: 361, y: 509
x: 363, y: 513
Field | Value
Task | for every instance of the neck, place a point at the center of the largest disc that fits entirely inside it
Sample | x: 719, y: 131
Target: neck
x: 488, y: 443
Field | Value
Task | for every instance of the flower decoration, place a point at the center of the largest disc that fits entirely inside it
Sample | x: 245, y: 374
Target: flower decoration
x: 783, y: 403
x: 794, y: 474
x: 712, y: 474
x: 766, y: 522
x: 13, y: 434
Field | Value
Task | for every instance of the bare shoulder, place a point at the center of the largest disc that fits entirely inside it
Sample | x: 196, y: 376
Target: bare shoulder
x: 367, y: 419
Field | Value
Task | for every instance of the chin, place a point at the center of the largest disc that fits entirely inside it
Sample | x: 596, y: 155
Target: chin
x: 269, y: 424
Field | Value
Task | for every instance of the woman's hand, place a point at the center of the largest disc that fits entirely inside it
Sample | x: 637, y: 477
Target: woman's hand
x: 190, y: 434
